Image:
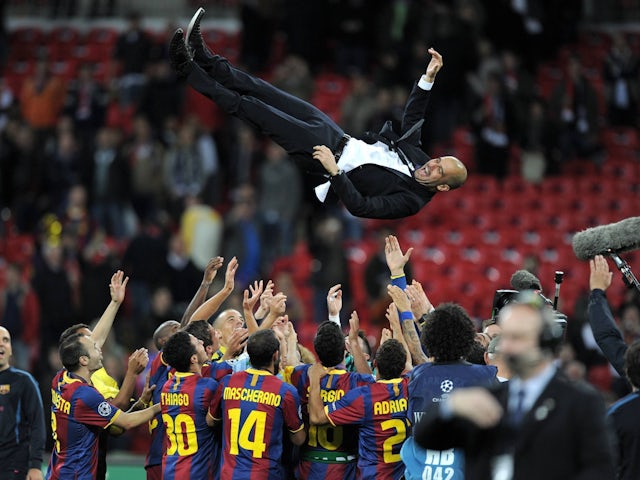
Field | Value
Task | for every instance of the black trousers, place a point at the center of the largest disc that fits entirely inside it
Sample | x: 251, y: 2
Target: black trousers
x: 295, y: 125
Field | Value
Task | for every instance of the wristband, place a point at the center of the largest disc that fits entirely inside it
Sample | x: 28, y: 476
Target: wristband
x: 335, y: 319
x: 406, y: 316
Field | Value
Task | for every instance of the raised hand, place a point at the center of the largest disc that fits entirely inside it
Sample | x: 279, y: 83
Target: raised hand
x: 354, y: 328
x: 211, y: 269
x: 420, y: 304
x: 435, y: 64
x: 147, y: 391
x: 230, y: 275
x: 396, y: 260
x: 399, y: 298
x: 334, y: 300
x: 138, y: 360
x: 237, y: 340
x: 249, y: 302
x: 118, y: 286
x: 265, y: 300
x: 600, y: 276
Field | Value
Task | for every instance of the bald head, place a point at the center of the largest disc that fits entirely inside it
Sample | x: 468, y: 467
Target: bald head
x: 163, y: 332
x: 457, y: 174
x: 5, y: 348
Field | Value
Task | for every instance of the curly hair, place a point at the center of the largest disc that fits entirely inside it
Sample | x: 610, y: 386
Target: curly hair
x: 448, y: 333
x: 178, y: 351
x: 329, y: 344
x: 390, y: 359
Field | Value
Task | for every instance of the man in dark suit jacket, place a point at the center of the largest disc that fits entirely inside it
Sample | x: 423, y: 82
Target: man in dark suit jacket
x: 388, y: 176
x: 554, y: 429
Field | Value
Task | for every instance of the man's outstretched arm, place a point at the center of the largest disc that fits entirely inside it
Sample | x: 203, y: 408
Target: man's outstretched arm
x: 201, y: 294
x: 416, y: 106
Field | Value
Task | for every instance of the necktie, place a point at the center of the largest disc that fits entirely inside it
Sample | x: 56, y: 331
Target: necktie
x: 518, y: 412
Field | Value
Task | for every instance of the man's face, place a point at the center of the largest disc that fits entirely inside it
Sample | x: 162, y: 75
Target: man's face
x: 519, y: 345
x: 435, y: 172
x: 229, y: 321
x: 492, y: 330
x: 94, y: 354
x: 5, y: 348
x: 200, y: 351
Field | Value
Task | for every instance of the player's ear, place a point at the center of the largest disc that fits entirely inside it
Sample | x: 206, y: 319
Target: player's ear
x: 194, y: 359
x: 443, y: 187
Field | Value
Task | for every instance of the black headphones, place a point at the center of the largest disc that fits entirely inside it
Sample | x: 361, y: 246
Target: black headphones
x: 553, y: 323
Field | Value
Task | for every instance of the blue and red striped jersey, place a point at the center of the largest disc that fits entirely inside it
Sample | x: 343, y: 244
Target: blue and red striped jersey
x: 158, y: 375
x: 380, y: 411
x: 256, y: 409
x: 329, y: 451
x: 188, y: 441
x: 78, y: 414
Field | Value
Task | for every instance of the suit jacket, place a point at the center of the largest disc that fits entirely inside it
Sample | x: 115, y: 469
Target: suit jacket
x: 563, y: 436
x: 372, y: 191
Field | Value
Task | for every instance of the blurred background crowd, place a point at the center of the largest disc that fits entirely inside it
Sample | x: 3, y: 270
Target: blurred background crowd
x: 108, y: 161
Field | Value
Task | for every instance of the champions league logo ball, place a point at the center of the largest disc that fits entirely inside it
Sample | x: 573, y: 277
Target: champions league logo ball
x: 104, y: 409
x: 446, y: 386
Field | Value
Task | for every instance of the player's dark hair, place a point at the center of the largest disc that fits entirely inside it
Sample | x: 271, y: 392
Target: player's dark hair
x: 632, y: 363
x: 201, y: 329
x: 261, y: 346
x: 390, y: 359
x: 178, y: 351
x: 71, y: 350
x: 72, y: 330
x: 329, y: 344
x: 476, y: 354
x: 448, y: 333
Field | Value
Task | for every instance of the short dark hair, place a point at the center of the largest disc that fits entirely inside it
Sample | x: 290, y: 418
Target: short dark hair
x: 71, y: 350
x: 476, y: 354
x: 178, y: 351
x: 201, y: 330
x: 329, y: 344
x: 161, y: 335
x: 72, y: 330
x: 261, y: 346
x: 390, y: 359
x: 632, y: 363
x: 448, y: 333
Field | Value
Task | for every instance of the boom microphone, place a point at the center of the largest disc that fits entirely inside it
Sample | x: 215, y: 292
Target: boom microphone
x: 618, y: 237
x: 525, y: 280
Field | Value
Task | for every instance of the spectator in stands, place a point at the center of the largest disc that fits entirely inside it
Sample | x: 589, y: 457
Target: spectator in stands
x: 42, y: 100
x: 185, y: 168
x: 292, y: 75
x: 108, y: 175
x: 280, y: 197
x: 86, y: 104
x: 621, y: 69
x: 161, y: 83
x: 182, y: 276
x: 494, y: 128
x: 63, y: 165
x: 20, y: 314
x: 146, y: 160
x: 573, y: 109
x: 242, y: 235
x: 132, y: 51
x: 359, y: 104
x: 536, y: 143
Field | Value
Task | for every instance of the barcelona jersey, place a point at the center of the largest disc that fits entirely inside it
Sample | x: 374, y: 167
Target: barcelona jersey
x: 78, y: 414
x: 188, y: 442
x: 257, y: 409
x: 158, y: 375
x: 380, y: 410
x: 329, y: 451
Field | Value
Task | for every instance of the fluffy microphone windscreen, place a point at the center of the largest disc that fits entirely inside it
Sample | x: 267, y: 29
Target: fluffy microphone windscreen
x: 618, y: 237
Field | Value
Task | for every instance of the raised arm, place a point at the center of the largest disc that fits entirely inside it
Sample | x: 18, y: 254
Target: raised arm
x: 277, y: 308
x: 201, y: 294
x: 417, y: 103
x: 402, y: 304
x: 398, y: 334
x: 607, y: 335
x: 359, y: 360
x: 334, y: 303
x: 212, y: 305
x: 396, y: 260
x: 317, y: 415
x: 249, y: 303
x: 117, y: 289
x: 138, y: 361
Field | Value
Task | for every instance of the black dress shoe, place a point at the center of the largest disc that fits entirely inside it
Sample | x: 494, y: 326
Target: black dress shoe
x: 195, y: 41
x: 180, y: 57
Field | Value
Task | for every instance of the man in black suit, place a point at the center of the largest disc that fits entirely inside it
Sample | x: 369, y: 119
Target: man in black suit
x: 388, y: 176
x: 537, y: 425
